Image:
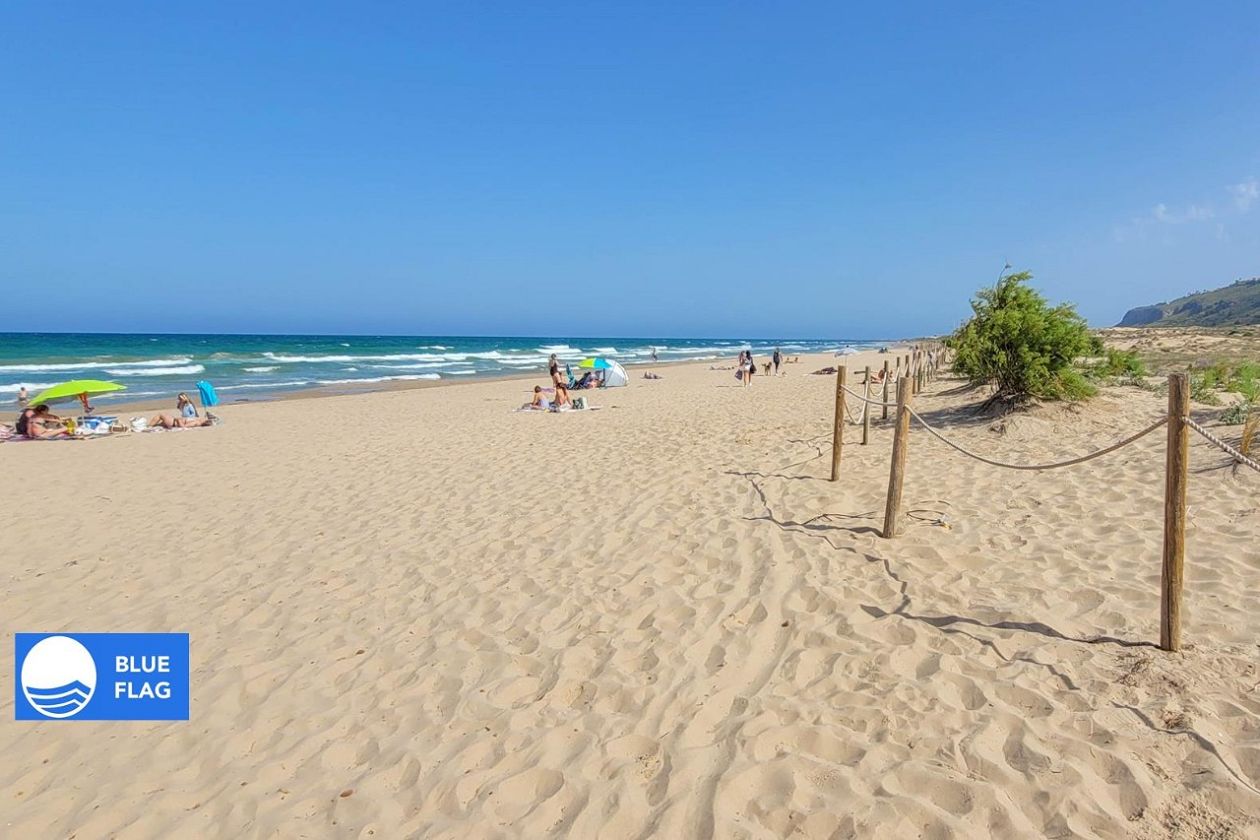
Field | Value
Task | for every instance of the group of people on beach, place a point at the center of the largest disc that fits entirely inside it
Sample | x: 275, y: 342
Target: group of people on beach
x: 37, y: 422
x: 561, y: 384
x: 746, y: 366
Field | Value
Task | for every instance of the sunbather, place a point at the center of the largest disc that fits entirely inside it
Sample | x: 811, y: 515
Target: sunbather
x: 187, y: 419
x: 560, y: 383
x: 39, y: 422
x: 540, y: 402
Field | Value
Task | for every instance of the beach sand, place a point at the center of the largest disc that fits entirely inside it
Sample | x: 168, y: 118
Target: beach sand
x: 416, y: 613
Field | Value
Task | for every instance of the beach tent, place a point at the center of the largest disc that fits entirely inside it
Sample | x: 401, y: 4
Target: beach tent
x: 614, y: 375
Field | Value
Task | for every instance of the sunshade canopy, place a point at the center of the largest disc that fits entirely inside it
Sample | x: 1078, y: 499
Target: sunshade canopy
x: 71, y: 390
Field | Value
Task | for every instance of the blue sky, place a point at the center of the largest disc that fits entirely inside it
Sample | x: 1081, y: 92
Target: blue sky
x: 636, y: 168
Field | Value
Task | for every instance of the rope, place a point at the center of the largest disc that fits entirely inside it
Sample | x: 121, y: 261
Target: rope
x: 858, y: 420
x: 1222, y: 445
x: 1082, y: 459
x: 867, y: 400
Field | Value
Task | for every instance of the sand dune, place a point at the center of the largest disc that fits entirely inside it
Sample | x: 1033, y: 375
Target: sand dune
x: 415, y: 613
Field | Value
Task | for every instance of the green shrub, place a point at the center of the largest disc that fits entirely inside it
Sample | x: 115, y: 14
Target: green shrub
x: 1246, y: 381
x: 1236, y: 414
x: 1203, y: 388
x: 1022, y: 346
x: 1122, y: 363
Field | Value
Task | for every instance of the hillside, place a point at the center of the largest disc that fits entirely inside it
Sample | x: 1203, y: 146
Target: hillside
x: 1232, y: 305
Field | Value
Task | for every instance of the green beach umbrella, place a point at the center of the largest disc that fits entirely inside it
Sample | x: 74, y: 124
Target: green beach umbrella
x: 71, y: 390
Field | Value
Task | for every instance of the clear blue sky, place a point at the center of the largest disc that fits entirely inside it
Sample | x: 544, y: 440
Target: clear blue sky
x: 630, y: 168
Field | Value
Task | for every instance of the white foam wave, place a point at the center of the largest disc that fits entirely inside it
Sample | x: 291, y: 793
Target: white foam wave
x: 262, y: 385
x: 89, y: 365
x: 412, y: 366
x: 461, y: 372
x: 346, y: 359
x: 264, y: 369
x: 184, y: 370
x: 33, y: 387
x: 377, y: 379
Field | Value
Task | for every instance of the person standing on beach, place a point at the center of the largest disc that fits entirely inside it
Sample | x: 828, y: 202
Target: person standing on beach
x: 654, y: 354
x: 777, y: 358
x: 558, y: 381
x: 23, y: 397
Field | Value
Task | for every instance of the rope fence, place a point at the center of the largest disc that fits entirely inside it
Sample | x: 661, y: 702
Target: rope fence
x: 1098, y: 453
x: 1222, y: 445
x: 919, y: 369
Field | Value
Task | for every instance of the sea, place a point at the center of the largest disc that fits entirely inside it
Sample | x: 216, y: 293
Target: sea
x: 253, y: 367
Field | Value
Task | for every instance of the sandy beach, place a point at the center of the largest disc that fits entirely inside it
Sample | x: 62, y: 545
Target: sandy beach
x: 416, y: 613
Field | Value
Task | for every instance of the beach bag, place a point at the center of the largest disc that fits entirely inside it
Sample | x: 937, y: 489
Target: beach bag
x: 579, y: 403
x: 96, y: 425
x: 139, y: 424
x: 739, y: 374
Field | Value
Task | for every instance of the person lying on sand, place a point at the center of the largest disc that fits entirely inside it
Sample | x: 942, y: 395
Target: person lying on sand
x: 187, y: 418
x: 38, y: 423
x: 650, y: 375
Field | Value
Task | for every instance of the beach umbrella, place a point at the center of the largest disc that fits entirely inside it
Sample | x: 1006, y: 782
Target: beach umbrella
x: 71, y: 390
x: 596, y: 364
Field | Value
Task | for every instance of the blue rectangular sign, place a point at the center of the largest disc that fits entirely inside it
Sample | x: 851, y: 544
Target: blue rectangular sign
x: 101, y: 676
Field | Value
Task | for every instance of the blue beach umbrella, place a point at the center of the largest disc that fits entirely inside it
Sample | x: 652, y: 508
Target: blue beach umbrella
x: 596, y: 363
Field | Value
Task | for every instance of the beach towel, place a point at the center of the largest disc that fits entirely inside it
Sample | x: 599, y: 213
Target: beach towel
x: 209, y: 398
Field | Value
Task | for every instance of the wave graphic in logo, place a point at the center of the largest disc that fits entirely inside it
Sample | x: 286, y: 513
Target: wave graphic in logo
x: 58, y: 676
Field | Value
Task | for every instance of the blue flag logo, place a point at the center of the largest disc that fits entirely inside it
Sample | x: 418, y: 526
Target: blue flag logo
x: 101, y: 676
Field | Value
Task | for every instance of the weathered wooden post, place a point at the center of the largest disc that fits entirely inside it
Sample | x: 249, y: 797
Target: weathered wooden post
x: 866, y: 408
x: 897, y: 472
x: 1176, y: 467
x: 837, y: 434
x: 885, y: 398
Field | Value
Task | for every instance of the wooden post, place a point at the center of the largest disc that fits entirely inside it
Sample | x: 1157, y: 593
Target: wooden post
x: 837, y: 434
x: 866, y: 409
x: 1176, y: 467
x: 886, y: 379
x: 897, y: 473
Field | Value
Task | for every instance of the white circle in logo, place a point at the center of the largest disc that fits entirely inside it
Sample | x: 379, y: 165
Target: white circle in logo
x: 58, y: 676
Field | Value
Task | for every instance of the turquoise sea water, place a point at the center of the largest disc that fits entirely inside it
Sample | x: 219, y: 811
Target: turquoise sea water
x: 254, y: 366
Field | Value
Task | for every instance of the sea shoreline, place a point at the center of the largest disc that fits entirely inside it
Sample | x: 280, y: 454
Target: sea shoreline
x: 166, y: 404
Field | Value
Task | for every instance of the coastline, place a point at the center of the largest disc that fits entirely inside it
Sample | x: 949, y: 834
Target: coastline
x: 154, y: 406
